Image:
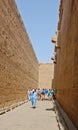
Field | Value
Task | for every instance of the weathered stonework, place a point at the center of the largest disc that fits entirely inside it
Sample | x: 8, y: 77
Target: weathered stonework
x: 46, y: 75
x: 66, y: 68
x: 18, y: 63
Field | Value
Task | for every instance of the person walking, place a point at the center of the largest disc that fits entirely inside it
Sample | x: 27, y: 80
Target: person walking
x: 29, y: 94
x: 34, y: 96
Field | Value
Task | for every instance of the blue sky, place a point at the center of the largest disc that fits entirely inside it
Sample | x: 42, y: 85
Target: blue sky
x: 40, y: 18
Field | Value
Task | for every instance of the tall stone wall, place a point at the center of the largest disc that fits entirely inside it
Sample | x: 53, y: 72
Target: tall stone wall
x: 46, y: 75
x: 18, y: 63
x: 66, y: 76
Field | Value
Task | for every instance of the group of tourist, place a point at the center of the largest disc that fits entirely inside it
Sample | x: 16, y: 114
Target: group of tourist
x: 40, y: 94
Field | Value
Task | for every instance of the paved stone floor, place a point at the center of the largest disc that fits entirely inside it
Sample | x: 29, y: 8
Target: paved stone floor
x: 25, y: 117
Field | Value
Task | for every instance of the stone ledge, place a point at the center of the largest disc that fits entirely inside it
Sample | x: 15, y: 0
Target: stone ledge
x: 9, y: 108
x: 64, y: 123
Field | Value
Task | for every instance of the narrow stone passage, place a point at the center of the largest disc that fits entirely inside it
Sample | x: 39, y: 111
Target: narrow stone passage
x: 25, y: 117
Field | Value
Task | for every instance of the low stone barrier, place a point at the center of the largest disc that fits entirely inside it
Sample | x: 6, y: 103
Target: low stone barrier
x: 64, y: 122
x: 13, y: 106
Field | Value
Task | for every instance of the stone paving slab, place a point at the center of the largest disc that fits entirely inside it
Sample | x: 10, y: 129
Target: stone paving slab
x: 25, y: 117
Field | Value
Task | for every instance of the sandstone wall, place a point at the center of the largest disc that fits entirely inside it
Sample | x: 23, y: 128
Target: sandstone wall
x: 45, y: 75
x: 66, y: 76
x: 18, y: 63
